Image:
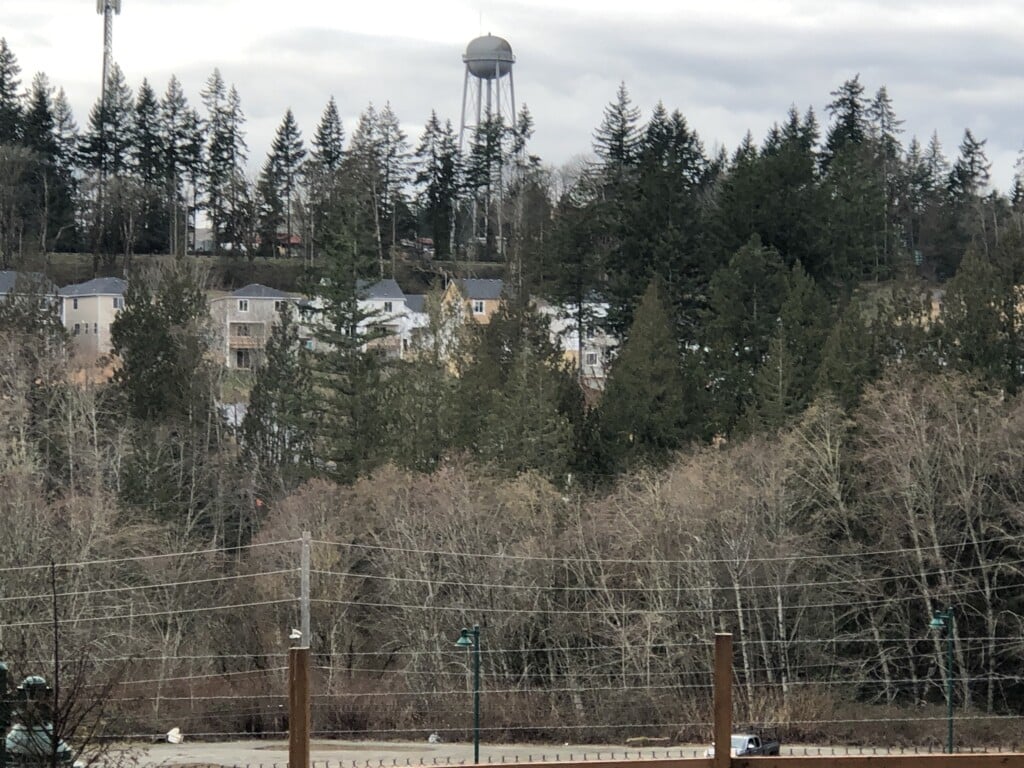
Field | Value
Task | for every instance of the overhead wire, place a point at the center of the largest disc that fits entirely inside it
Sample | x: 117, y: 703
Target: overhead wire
x: 590, y: 559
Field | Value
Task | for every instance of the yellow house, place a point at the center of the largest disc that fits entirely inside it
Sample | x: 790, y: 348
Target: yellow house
x: 481, y: 298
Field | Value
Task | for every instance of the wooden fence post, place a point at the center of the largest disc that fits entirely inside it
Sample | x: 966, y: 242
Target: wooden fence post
x: 723, y: 701
x: 298, y: 708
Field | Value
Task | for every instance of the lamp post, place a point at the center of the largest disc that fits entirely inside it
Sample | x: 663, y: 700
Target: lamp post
x: 470, y: 638
x: 942, y: 621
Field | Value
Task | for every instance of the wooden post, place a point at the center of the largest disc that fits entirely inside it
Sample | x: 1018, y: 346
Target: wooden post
x: 298, y: 708
x: 723, y: 701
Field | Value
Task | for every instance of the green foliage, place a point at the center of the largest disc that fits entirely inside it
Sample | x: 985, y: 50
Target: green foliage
x: 644, y: 414
x: 160, y: 341
x: 277, y: 431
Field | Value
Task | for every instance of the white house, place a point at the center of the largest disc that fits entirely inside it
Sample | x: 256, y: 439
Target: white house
x: 594, y: 356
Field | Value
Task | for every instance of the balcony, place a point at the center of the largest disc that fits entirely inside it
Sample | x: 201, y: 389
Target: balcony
x: 245, y: 342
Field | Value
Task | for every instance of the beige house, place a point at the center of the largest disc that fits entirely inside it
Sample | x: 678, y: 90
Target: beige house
x: 480, y: 298
x: 242, y: 321
x: 88, y: 310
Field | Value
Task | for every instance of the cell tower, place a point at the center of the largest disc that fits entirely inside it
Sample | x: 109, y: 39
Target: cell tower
x: 489, y: 98
x: 107, y: 9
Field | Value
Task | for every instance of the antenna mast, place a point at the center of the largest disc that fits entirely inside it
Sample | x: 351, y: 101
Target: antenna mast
x: 107, y: 9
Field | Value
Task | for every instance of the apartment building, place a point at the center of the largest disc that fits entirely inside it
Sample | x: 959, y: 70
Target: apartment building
x: 242, y: 321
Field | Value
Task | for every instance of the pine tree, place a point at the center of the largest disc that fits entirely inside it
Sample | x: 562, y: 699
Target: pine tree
x: 181, y: 131
x: 849, y: 116
x: 149, y: 155
x: 107, y: 146
x: 970, y: 174
x: 395, y: 172
x: 226, y: 152
x: 327, y: 153
x: 348, y: 368
x: 285, y: 165
x: 617, y: 140
x: 744, y: 299
x: 437, y: 176
x: 50, y: 186
x: 10, y: 105
x: 644, y: 415
x: 849, y: 358
x: 277, y: 432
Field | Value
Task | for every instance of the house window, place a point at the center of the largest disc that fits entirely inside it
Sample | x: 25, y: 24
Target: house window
x: 387, y: 306
x: 86, y: 329
x: 590, y: 358
x: 478, y: 307
x: 74, y: 303
x: 95, y: 327
x: 279, y: 306
x: 243, y: 358
x: 118, y: 302
x: 243, y: 305
x: 78, y: 329
x: 242, y: 329
x: 590, y: 333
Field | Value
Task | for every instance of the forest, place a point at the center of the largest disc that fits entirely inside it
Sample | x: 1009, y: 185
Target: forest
x: 808, y: 436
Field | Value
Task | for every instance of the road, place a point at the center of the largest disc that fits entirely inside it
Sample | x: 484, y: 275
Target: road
x: 373, y: 754
x: 387, y: 754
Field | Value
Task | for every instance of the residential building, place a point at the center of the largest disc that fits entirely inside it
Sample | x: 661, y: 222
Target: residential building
x: 242, y: 321
x: 22, y: 283
x: 593, y: 357
x: 480, y: 298
x: 88, y: 310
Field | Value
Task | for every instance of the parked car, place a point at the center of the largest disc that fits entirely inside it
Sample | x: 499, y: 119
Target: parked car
x: 748, y: 745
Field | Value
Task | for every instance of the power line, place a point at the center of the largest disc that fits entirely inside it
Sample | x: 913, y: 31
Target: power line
x: 587, y: 559
x: 465, y: 610
x: 648, y: 590
x: 138, y: 558
x: 150, y: 614
x: 216, y: 675
x: 109, y: 590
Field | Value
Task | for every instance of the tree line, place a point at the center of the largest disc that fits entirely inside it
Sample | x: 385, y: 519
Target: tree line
x: 786, y: 388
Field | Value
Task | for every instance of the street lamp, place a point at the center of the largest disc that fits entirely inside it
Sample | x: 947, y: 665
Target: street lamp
x: 942, y: 621
x: 470, y: 638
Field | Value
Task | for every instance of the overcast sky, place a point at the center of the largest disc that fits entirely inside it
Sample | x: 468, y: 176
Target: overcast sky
x: 729, y: 66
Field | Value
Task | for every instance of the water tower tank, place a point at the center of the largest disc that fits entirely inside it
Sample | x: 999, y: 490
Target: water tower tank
x: 489, y: 57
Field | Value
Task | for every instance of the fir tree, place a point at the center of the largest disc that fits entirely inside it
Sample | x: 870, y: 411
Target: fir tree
x: 10, y: 105
x: 643, y: 414
x: 437, y: 176
x: 285, y: 164
x: 277, y: 432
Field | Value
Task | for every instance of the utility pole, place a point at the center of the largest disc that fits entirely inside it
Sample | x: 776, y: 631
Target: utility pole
x: 723, y: 701
x: 299, y: 700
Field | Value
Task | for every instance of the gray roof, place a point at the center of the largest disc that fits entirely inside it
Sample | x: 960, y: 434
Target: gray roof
x: 100, y: 286
x: 36, y: 280
x: 475, y: 288
x: 257, y: 291
x: 382, y: 289
x: 415, y: 302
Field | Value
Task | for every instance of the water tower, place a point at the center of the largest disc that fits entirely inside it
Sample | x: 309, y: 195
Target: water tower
x: 492, y: 94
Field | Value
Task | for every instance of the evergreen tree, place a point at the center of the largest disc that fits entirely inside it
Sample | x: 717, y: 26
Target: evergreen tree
x: 784, y: 384
x: 277, y: 432
x: 849, y: 115
x: 182, y: 139
x: 161, y: 343
x: 327, y: 153
x: 285, y: 165
x: 10, y: 105
x: 643, y: 414
x: 226, y: 192
x: 149, y: 154
x: 617, y: 140
x: 107, y: 146
x: 437, y: 176
x: 970, y: 173
x: 849, y: 359
x: 348, y: 369
x: 745, y: 297
x: 395, y: 170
